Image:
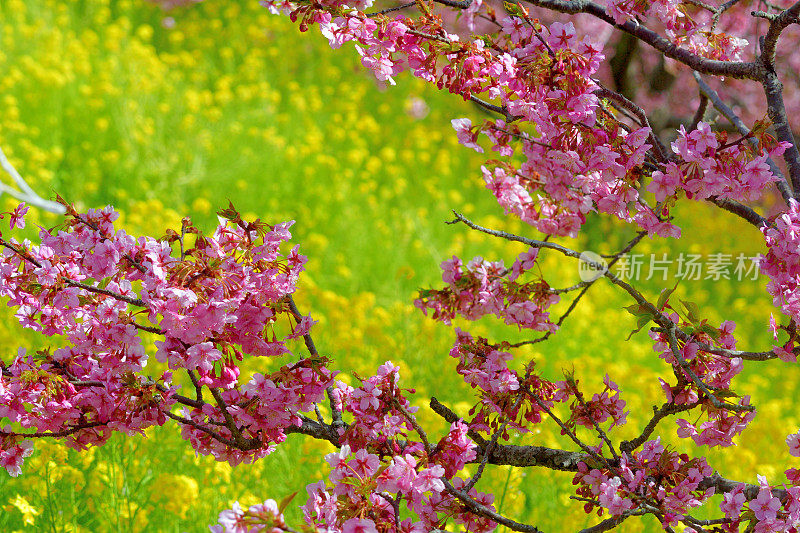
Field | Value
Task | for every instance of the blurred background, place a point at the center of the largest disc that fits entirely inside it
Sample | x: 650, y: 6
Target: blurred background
x: 172, y: 110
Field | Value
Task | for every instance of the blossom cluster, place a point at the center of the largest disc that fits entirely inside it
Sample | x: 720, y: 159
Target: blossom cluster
x: 505, y: 395
x: 579, y: 160
x: 772, y: 512
x: 483, y: 287
x: 781, y: 264
x: 266, y: 517
x: 215, y: 303
x: 710, y: 167
x: 379, y: 467
x: 694, y: 33
x: 653, y: 476
x: 603, y: 406
x: 704, y: 379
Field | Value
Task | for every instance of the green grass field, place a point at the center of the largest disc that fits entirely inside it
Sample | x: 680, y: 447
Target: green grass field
x: 102, y: 103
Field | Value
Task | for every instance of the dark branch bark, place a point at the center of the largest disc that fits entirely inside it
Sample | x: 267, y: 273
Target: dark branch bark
x: 739, y: 210
x: 773, y: 88
x: 567, y: 461
x: 735, y: 69
x: 777, y: 24
x: 314, y: 429
x: 658, y: 317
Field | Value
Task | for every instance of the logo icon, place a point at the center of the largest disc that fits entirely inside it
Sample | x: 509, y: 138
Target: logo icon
x: 591, y: 266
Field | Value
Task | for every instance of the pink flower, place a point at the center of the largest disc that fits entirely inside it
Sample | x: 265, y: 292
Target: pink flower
x: 561, y: 35
x: 785, y: 352
x: 611, y: 500
x: 733, y: 501
x: 463, y: 127
x: 359, y: 525
x: 232, y: 520
x: 17, y: 219
x: 793, y: 442
x: 773, y: 326
x: 13, y: 458
x: 765, y: 506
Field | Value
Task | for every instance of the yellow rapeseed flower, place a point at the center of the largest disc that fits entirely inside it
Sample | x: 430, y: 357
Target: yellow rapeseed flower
x: 29, y: 513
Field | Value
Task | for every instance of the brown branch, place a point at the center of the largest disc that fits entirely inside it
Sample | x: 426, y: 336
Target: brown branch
x: 667, y: 409
x: 73, y: 283
x: 604, y: 92
x: 391, y: 9
x: 776, y: 110
x: 482, y: 510
x: 336, y: 415
x: 658, y: 317
x: 493, y: 108
x: 63, y: 433
x: 778, y: 23
x: 229, y: 422
x: 213, y: 434
x: 735, y: 69
x: 314, y: 429
x: 741, y: 210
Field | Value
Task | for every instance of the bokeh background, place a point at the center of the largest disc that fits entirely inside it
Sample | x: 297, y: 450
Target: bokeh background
x: 169, y: 113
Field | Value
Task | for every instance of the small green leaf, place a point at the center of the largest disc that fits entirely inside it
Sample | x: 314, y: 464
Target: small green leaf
x: 640, y: 310
x: 286, y: 501
x: 693, y: 311
x: 426, y: 293
x: 230, y: 213
x: 640, y: 323
x: 710, y: 330
x: 664, y: 297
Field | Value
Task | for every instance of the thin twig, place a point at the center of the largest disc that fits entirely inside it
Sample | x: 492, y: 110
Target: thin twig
x: 676, y: 352
x: 63, y: 433
x: 699, y: 114
x: 482, y: 510
x: 658, y: 317
x: 213, y: 434
x: 391, y: 9
x: 336, y: 415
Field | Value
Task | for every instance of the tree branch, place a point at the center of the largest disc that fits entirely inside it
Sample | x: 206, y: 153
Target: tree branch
x: 658, y: 317
x: 734, y: 69
x: 737, y: 122
x: 778, y: 23
x: 773, y: 89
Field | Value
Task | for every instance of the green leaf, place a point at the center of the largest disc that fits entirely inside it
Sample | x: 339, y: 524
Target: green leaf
x: 230, y: 213
x: 640, y: 310
x: 664, y: 297
x: 693, y: 311
x: 640, y: 323
x: 710, y: 330
x: 426, y: 293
